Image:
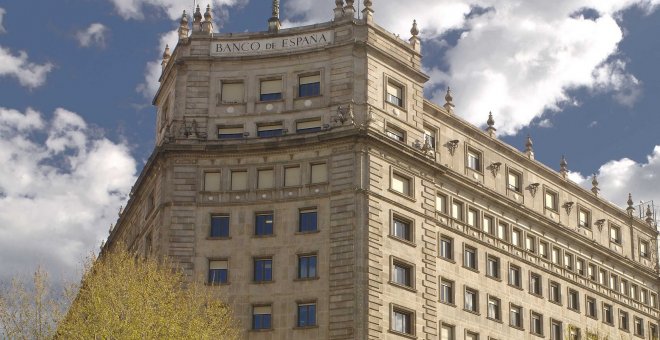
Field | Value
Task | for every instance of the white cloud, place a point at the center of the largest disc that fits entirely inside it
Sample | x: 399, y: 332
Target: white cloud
x: 58, y: 198
x: 2, y: 15
x: 545, y: 123
x: 518, y: 58
x: 29, y: 74
x: 154, y: 69
x: 593, y: 124
x: 93, y: 35
x: 617, y: 178
x: 133, y: 9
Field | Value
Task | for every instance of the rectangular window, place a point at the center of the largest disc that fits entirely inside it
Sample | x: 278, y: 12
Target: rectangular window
x: 623, y: 287
x: 488, y: 225
x: 308, y: 126
x: 551, y: 201
x: 568, y: 261
x: 441, y: 203
x: 474, y: 159
x: 446, y: 248
x: 515, y: 316
x: 230, y: 132
x: 232, y: 93
x: 638, y: 326
x: 579, y: 265
x: 265, y: 178
x: 263, y: 270
x: 211, y: 181
x: 543, y: 249
x: 400, y: 184
x: 623, y: 320
x: 573, y: 300
x: 307, y: 266
x: 218, y: 272
x: 643, y: 296
x: 515, y: 276
x: 530, y: 243
x: 615, y: 234
x: 447, y: 291
x: 535, y: 284
x: 271, y: 90
x: 309, y: 85
x: 602, y: 277
x: 608, y: 314
x: 654, y: 300
x: 219, y: 226
x: 471, y: 335
x: 643, y: 249
x: 516, y: 237
x: 471, y: 300
x: 395, y: 133
x: 555, y: 292
x: 492, y: 267
x: 503, y: 231
x: 319, y: 173
x: 306, y: 315
x: 402, y: 321
x: 429, y: 137
x: 457, y: 210
x: 292, y: 176
x: 270, y: 130
x: 614, y: 282
x: 536, y: 323
x: 591, y: 307
x: 653, y: 331
x: 555, y: 330
x: 470, y: 257
x: 239, y: 180
x: 574, y: 333
x: 513, y: 181
x: 263, y: 224
x: 473, y: 218
x: 584, y: 218
x: 633, y: 291
x: 261, y: 317
x: 307, y: 220
x: 447, y: 332
x: 402, y: 273
x: 556, y: 256
x: 395, y: 94
x: 494, y: 311
x: 402, y: 229
x: 591, y: 272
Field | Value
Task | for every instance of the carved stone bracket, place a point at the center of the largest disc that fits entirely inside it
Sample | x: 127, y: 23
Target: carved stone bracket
x: 344, y: 115
x: 452, y: 145
x: 495, y: 168
x: 191, y: 129
x: 568, y: 206
x: 600, y: 223
x: 533, y: 188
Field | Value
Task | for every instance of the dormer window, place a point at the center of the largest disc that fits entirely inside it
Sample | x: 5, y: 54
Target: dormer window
x: 271, y: 90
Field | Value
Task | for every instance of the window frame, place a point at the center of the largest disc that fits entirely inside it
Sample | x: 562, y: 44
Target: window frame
x: 624, y: 320
x: 409, y: 193
x: 237, y: 172
x: 573, y: 300
x: 224, y: 230
x: 302, y: 213
x: 316, y: 128
x: 590, y: 300
x: 516, y: 174
x: 317, y: 86
x: 467, y: 264
x: 498, y: 308
x: 451, y: 284
x: 211, y: 272
x: 582, y: 210
x: 409, y: 269
x: 555, y: 204
x: 409, y: 228
x: 645, y: 254
x: 605, y: 307
x: 276, y: 96
x: 521, y: 322
x: 205, y: 185
x: 536, y: 290
x: 312, y: 177
x: 532, y: 327
x: 395, y: 133
x: 307, y: 305
x: 260, y: 185
x: 444, y: 239
x: 479, y: 166
x: 232, y: 82
x: 443, y: 203
x: 411, y: 320
x: 493, y: 272
x: 518, y: 275
x: 307, y: 266
x: 554, y: 292
x: 233, y: 135
x: 264, y: 230
x: 263, y: 277
x: 475, y: 300
x: 400, y: 102
x: 270, y: 318
x: 270, y: 129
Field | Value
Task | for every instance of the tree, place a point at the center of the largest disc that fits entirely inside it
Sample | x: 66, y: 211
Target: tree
x: 124, y: 297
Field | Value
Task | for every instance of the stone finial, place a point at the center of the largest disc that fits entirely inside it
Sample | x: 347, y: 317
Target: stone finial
x: 529, y: 147
x: 631, y: 208
x: 274, y: 23
x: 563, y: 167
x: 183, y: 26
x: 649, y: 215
x: 349, y: 9
x: 414, y: 30
x: 449, y: 101
x: 339, y: 9
x: 414, y: 40
x: 368, y: 12
x: 594, y: 183
x: 491, y: 125
x: 207, y: 25
x: 166, y: 57
x: 197, y: 19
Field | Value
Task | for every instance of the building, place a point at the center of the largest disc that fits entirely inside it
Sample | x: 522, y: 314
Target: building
x: 302, y: 174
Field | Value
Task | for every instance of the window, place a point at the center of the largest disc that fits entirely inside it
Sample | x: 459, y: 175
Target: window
x: 513, y: 181
x: 271, y: 90
x: 395, y: 133
x: 591, y: 308
x: 602, y: 277
x: 543, y: 249
x: 441, y: 203
x: 515, y: 316
x: 653, y: 330
x: 211, y: 181
x: 644, y: 296
x: 402, y: 320
x: 515, y: 276
x: 319, y: 173
x: 230, y: 132
x: 615, y: 234
x: 220, y: 226
x: 623, y: 287
x: 608, y: 316
x: 447, y: 332
x: 535, y: 284
x: 623, y: 320
x: 265, y: 178
x: 492, y: 267
x: 470, y: 257
x: 263, y: 224
x: 654, y: 300
x: 263, y: 269
x: 429, y: 137
x: 218, y: 272
x: 261, y: 317
x: 555, y: 292
x: 555, y: 330
x: 584, y: 218
x: 471, y: 335
x: 307, y: 220
x: 516, y: 237
x: 503, y: 231
x: 591, y: 272
x: 239, y: 180
x: 638, y: 326
x: 473, y: 218
x: 573, y: 300
x: 308, y: 126
x: 402, y: 229
x: 536, y: 324
x: 643, y: 249
x: 474, y: 159
x: 306, y: 315
x: 633, y: 291
x: 579, y: 265
x: 307, y: 266
x: 401, y: 184
x: 309, y: 85
x: 471, y: 300
x: 494, y: 311
x: 447, y: 291
x: 270, y: 130
x: 292, y: 176
x: 394, y: 94
x: 457, y: 210
x: 446, y: 248
x: 488, y: 225
x: 574, y: 333
x: 232, y: 93
x: 556, y: 256
x: 402, y: 273
x: 530, y: 243
x: 568, y: 261
x: 614, y: 282
x: 550, y: 201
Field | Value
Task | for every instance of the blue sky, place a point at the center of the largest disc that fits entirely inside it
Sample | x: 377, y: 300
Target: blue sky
x: 77, y: 79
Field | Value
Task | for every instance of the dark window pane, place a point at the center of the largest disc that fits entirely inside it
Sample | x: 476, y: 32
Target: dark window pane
x: 264, y: 224
x: 270, y: 96
x: 220, y: 226
x: 308, y: 221
x: 308, y: 90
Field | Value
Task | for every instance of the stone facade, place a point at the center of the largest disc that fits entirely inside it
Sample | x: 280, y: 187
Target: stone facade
x: 408, y: 199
